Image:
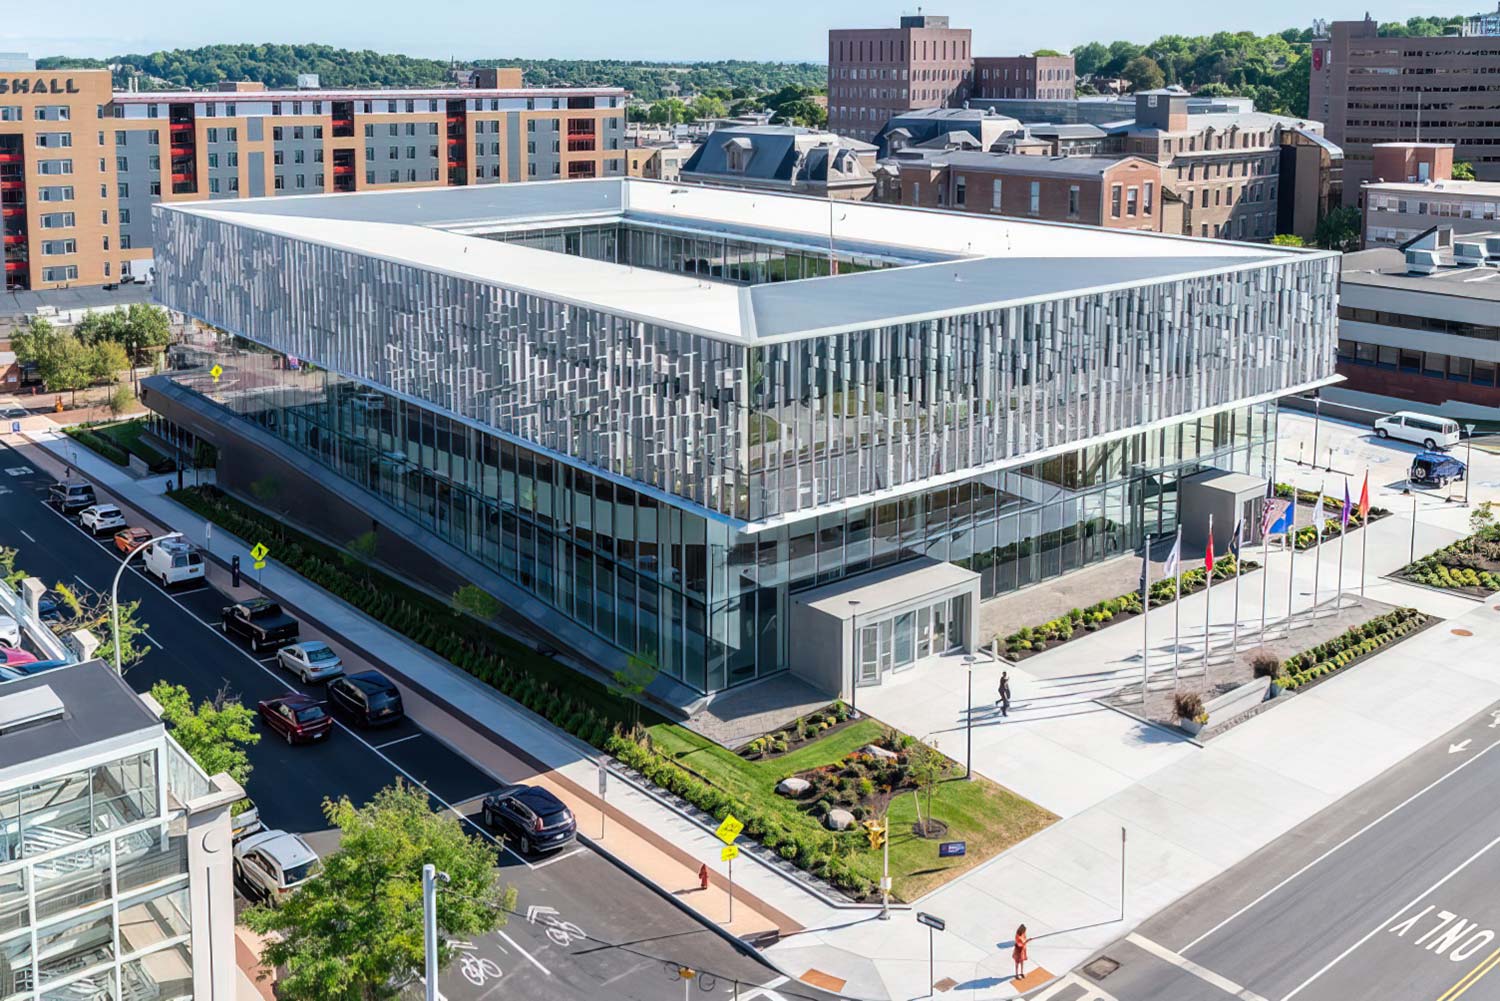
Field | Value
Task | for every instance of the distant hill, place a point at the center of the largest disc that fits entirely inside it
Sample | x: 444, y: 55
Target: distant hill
x: 278, y: 66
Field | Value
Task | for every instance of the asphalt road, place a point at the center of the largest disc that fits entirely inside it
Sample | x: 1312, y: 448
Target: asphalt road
x: 1391, y: 893
x: 584, y: 929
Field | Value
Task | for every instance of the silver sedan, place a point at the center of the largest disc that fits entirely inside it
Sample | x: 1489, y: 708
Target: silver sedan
x: 310, y: 661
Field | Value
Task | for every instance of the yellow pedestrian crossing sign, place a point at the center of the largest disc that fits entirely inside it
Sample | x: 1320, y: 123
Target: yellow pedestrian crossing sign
x: 216, y: 371
x: 259, y: 552
x: 729, y: 830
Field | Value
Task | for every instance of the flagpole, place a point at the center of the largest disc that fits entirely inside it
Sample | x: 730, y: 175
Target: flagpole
x: 1177, y: 608
x: 1208, y: 593
x: 1338, y: 596
x: 1239, y: 551
x: 1317, y: 550
x: 1291, y: 566
x: 1364, y: 531
x: 1265, y: 574
x: 1146, y: 620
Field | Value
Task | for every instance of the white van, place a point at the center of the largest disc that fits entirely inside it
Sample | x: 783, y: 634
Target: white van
x: 173, y: 561
x: 1420, y: 429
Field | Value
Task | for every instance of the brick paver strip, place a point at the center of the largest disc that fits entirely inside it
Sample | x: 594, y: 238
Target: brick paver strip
x: 1036, y: 978
x: 827, y: 981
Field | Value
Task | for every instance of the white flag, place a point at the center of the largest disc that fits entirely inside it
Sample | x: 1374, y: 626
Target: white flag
x: 1174, y: 558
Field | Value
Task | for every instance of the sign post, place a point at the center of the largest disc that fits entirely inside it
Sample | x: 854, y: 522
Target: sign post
x: 934, y: 924
x: 728, y: 854
x: 258, y: 553
x: 727, y: 832
x: 1122, y: 873
x: 603, y: 798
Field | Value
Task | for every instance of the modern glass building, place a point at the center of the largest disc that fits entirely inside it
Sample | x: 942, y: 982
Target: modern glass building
x: 666, y: 413
x: 114, y: 873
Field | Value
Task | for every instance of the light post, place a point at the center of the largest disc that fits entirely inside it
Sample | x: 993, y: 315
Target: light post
x: 855, y: 659
x: 430, y: 880
x: 969, y: 722
x: 1317, y: 418
x: 1468, y: 459
x: 114, y: 590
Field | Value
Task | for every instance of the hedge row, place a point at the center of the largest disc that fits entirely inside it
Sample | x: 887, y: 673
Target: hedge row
x: 98, y: 443
x: 1331, y: 655
x: 814, y: 850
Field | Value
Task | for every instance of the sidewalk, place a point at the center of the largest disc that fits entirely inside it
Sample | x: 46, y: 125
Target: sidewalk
x: 645, y: 836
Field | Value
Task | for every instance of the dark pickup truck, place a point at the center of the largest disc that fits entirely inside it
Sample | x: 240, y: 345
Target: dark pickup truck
x: 260, y: 621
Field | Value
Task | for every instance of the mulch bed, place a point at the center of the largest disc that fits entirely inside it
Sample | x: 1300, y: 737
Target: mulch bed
x: 764, y: 748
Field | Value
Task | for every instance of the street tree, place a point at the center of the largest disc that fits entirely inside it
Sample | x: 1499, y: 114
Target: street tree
x: 476, y: 601
x: 214, y: 733
x: 1143, y: 73
x: 354, y: 933
x: 360, y: 552
x: 1339, y: 229
x: 120, y: 400
x: 927, y: 766
x: 104, y: 361
x: 631, y: 682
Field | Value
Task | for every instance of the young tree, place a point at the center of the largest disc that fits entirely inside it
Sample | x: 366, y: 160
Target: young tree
x: 120, y: 401
x: 104, y: 361
x: 1463, y: 170
x: 631, y: 682
x: 1143, y: 73
x: 214, y: 733
x: 354, y: 933
x: 927, y: 766
x: 1339, y: 229
x: 361, y: 551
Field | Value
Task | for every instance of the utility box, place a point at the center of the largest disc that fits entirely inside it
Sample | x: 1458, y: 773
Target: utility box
x: 1228, y: 497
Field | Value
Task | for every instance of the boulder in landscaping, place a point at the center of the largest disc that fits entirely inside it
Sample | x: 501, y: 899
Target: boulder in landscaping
x: 839, y: 820
x: 793, y: 786
x: 876, y: 751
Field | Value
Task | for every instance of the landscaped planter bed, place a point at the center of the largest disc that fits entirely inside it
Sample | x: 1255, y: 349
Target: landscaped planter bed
x: 1469, y: 566
x: 1351, y: 647
x: 828, y: 720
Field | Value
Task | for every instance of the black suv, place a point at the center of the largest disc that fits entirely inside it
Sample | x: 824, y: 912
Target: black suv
x: 536, y: 819
x: 71, y: 496
x: 367, y: 698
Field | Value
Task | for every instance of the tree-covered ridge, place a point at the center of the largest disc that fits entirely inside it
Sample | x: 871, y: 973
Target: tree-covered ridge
x: 278, y: 66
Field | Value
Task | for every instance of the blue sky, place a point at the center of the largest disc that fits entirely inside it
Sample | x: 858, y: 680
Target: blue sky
x: 694, y: 29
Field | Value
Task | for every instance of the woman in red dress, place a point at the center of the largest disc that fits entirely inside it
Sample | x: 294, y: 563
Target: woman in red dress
x: 1019, y: 952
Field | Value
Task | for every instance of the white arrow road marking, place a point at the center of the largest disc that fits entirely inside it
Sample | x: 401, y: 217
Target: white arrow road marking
x: 1462, y: 745
x: 537, y: 911
x: 1495, y: 715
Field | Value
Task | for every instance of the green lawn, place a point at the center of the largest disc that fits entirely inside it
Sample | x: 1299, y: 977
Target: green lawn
x: 990, y: 818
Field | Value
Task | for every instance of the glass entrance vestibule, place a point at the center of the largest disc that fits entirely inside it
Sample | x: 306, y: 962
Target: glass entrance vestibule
x: 901, y: 640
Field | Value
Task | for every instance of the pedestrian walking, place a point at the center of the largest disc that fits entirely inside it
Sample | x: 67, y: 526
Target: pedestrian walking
x: 1018, y: 952
x: 1004, y: 700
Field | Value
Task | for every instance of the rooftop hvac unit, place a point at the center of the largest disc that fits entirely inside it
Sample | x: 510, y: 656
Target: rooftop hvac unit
x: 1468, y: 253
x: 1492, y: 248
x: 1422, y: 262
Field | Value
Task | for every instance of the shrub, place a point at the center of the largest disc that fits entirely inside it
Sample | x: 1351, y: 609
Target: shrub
x: 866, y: 788
x: 1265, y: 664
x: 1187, y: 705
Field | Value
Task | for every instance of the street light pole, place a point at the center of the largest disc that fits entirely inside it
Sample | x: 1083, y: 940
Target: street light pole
x: 430, y: 879
x: 969, y: 722
x: 114, y: 590
x: 854, y: 661
x: 1468, y: 460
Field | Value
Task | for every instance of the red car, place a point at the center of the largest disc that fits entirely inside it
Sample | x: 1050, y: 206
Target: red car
x: 15, y: 657
x: 297, y: 718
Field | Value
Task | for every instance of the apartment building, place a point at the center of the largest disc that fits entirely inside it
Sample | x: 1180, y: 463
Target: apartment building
x: 115, y: 876
x: 1413, y: 190
x: 1421, y: 324
x: 658, y: 161
x: 875, y: 73
x: 1034, y: 78
x: 80, y: 167
x: 1112, y: 192
x: 1368, y: 89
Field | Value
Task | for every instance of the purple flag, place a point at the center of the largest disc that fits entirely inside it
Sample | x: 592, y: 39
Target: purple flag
x: 1348, y: 506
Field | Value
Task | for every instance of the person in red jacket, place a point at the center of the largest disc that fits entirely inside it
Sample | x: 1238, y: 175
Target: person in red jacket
x: 1018, y: 953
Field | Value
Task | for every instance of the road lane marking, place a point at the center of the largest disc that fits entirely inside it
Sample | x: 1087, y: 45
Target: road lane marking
x: 286, y: 685
x: 1202, y: 973
x: 152, y: 639
x: 1093, y: 990
x: 1380, y: 927
x: 400, y: 740
x: 559, y: 858
x: 1472, y: 977
x: 27, y: 534
x: 1392, y: 811
x: 530, y: 958
x: 84, y: 582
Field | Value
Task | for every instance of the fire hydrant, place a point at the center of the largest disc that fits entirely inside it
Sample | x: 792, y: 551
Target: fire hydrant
x: 703, y: 876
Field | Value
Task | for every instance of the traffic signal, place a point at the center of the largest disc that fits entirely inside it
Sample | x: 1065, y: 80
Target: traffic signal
x: 875, y: 829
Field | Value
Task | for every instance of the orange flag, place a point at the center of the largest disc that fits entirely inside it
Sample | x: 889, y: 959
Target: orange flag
x: 1364, y: 499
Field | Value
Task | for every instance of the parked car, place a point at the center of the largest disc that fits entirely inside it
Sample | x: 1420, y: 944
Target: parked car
x: 50, y: 607
x: 260, y: 621
x: 69, y: 496
x: 10, y: 631
x: 14, y: 413
x: 128, y: 540
x: 368, y: 698
x: 246, y: 822
x: 311, y: 661
x: 25, y: 669
x: 101, y: 518
x: 537, y: 820
x: 272, y: 864
x: 1435, y: 469
x: 1432, y: 433
x: 298, y: 718
x: 173, y: 561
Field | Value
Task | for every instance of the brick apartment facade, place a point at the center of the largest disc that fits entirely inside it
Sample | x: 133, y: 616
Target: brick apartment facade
x: 1036, y: 78
x: 1369, y: 90
x: 1112, y: 192
x: 875, y: 73
x: 80, y: 166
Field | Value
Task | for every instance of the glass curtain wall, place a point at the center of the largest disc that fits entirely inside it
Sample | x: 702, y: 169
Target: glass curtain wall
x: 709, y: 604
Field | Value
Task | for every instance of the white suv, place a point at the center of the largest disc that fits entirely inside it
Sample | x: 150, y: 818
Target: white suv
x: 274, y: 863
x: 101, y: 518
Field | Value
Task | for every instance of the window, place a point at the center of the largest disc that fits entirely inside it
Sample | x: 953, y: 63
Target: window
x: 54, y: 140
x: 124, y: 237
x: 276, y: 133
x: 52, y: 248
x: 54, y: 166
x: 301, y: 180
x: 1073, y: 195
x: 960, y: 191
x: 1036, y: 197
x: 280, y: 184
x: 298, y: 132
x: 1147, y: 192
x: 57, y: 220
x: 1132, y: 200
x: 995, y: 192
x: 1114, y: 200
x: 66, y: 273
